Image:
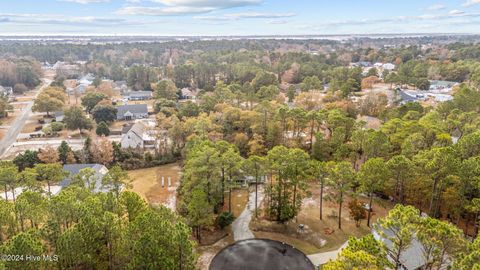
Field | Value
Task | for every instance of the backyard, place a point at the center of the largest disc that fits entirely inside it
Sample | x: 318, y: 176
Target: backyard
x: 148, y: 184
x: 318, y: 235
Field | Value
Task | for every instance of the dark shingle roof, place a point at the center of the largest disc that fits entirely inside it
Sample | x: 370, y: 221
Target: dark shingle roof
x: 74, y: 169
x: 134, y: 108
x: 140, y: 94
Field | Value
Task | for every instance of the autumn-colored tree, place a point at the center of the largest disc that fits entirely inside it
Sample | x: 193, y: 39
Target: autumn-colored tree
x: 357, y: 211
x: 102, y: 151
x: 48, y: 155
x: 368, y: 82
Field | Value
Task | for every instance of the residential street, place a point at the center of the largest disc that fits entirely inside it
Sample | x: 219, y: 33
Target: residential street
x: 20, y: 121
x: 240, y: 226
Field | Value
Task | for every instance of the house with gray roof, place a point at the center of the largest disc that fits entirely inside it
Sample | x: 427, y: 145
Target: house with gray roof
x: 139, y: 95
x: 74, y: 169
x: 411, y: 258
x: 132, y: 112
x: 186, y: 93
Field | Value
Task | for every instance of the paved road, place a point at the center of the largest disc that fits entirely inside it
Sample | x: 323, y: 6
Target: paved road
x: 240, y: 226
x: 20, y: 121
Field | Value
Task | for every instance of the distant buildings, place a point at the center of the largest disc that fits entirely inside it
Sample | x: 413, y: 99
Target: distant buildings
x: 417, y: 96
x: 187, y: 94
x: 442, y: 86
x: 67, y: 70
x: 6, y: 91
x: 384, y: 66
x: 132, y: 112
x: 139, y: 95
x: 120, y: 86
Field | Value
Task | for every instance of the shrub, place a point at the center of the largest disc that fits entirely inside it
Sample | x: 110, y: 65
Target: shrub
x: 57, y: 126
x: 225, y: 219
x: 20, y: 88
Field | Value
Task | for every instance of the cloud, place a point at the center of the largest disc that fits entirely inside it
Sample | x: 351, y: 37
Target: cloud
x: 277, y: 22
x: 54, y: 19
x: 217, y: 4
x: 425, y: 19
x: 471, y: 3
x: 85, y: 1
x: 162, y: 11
x: 456, y: 12
x: 436, y: 7
x: 246, y: 15
x: 184, y: 7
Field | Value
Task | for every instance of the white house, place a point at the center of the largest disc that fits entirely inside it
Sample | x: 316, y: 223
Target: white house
x: 139, y: 136
x: 388, y: 66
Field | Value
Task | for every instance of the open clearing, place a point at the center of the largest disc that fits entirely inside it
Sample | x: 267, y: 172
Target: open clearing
x: 148, y: 184
x: 318, y: 235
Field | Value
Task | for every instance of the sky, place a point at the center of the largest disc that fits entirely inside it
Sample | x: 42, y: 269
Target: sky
x: 237, y: 17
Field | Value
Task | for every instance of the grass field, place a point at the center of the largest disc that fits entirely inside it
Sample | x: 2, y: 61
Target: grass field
x: 148, y: 184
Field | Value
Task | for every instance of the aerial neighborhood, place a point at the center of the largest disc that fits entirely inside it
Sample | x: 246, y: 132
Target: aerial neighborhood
x: 242, y: 147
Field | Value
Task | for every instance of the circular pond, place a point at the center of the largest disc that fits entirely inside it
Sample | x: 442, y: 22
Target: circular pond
x: 260, y: 254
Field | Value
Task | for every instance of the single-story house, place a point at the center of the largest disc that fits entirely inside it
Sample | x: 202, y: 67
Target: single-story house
x: 47, y: 65
x: 132, y: 112
x: 186, y: 93
x: 138, y: 136
x: 7, y: 91
x: 139, y: 95
x: 443, y: 86
x: 87, y: 79
x: 405, y: 97
x: 74, y: 169
x: 411, y: 258
x: 389, y: 66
